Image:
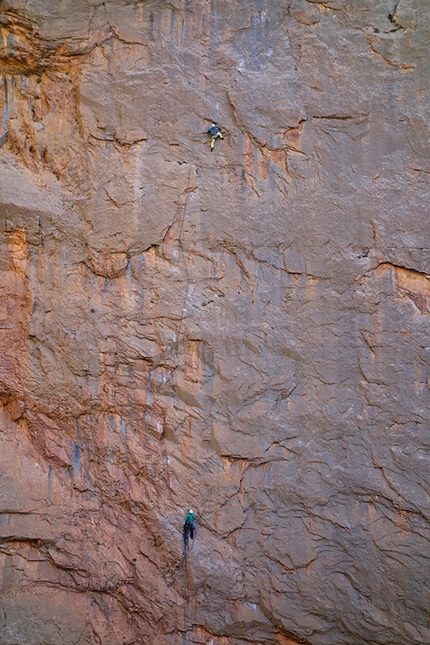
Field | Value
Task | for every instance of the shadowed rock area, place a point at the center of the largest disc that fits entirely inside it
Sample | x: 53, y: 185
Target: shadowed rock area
x: 243, y: 332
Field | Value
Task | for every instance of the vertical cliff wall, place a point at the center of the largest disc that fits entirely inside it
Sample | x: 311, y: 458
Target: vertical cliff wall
x: 243, y: 332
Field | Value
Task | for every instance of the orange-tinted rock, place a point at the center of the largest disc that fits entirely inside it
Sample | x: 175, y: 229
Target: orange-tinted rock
x: 243, y: 332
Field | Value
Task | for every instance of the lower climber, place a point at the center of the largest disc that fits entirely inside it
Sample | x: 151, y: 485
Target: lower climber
x: 215, y: 132
x: 189, y: 526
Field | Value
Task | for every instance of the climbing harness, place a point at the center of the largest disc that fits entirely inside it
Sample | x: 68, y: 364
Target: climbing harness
x: 188, y: 531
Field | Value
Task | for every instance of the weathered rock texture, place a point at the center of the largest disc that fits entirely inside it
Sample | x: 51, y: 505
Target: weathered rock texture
x: 243, y: 332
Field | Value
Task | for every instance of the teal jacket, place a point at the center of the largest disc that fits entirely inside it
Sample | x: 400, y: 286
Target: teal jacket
x: 189, y: 518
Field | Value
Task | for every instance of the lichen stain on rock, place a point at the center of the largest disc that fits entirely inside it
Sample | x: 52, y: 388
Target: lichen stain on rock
x: 243, y: 332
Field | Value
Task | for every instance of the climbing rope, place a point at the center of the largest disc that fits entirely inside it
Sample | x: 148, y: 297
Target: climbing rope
x: 185, y: 565
x: 186, y: 544
x: 188, y: 190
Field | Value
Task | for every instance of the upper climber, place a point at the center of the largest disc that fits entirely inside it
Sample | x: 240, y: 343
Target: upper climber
x: 215, y: 133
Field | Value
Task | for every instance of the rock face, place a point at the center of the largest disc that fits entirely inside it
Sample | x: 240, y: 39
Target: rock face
x: 243, y: 332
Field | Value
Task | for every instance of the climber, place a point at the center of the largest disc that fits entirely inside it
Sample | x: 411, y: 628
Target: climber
x: 189, y: 526
x: 215, y: 132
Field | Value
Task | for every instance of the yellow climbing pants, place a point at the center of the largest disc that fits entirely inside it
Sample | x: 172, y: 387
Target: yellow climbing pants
x: 213, y: 139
